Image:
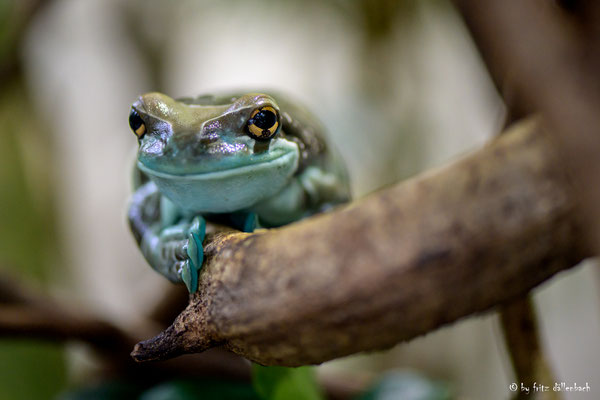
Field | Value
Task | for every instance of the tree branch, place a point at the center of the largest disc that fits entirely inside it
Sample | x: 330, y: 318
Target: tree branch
x: 398, y: 264
x: 550, y: 65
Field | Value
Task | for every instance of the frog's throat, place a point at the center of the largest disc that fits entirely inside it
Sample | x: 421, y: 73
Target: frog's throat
x: 226, y: 190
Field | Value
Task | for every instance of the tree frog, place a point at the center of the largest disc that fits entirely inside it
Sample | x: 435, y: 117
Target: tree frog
x: 246, y: 160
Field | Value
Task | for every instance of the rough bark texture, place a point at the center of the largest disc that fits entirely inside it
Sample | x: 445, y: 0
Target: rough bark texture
x: 395, y: 265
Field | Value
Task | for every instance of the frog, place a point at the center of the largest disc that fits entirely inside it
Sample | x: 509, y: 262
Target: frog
x: 247, y: 160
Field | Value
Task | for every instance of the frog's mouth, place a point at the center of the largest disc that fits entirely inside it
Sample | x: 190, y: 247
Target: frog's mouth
x: 282, y: 161
x: 281, y: 154
x: 259, y: 177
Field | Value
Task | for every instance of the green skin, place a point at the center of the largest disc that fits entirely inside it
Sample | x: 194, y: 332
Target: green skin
x: 199, y: 159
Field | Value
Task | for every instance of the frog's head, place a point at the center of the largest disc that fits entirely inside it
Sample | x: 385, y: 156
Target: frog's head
x: 209, y: 157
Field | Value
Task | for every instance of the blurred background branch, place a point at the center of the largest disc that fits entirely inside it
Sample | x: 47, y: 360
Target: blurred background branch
x: 24, y: 313
x: 549, y: 65
x: 519, y: 326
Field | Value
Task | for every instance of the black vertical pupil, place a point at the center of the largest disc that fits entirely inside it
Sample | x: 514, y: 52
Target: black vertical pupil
x: 135, y: 121
x: 264, y: 119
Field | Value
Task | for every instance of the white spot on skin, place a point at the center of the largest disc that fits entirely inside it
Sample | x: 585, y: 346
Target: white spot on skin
x: 227, y: 148
x: 152, y: 146
x: 164, y: 109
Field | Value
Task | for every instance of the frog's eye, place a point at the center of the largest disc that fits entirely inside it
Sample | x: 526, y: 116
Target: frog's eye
x: 136, y: 124
x: 263, y: 123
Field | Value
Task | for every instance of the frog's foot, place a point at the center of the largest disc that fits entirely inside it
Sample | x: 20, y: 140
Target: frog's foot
x: 195, y: 252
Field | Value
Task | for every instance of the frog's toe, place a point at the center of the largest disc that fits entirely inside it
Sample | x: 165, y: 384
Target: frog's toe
x: 189, y: 276
x: 195, y: 250
x: 198, y: 228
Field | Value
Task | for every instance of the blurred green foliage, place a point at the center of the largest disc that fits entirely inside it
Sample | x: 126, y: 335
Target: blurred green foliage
x: 31, y: 370
x: 28, y: 370
x: 280, y: 383
x: 26, y: 232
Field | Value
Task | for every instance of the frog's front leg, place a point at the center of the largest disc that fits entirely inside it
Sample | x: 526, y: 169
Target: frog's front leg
x: 172, y: 245
x: 176, y: 251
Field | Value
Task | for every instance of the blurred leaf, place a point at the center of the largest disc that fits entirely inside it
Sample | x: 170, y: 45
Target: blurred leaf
x: 280, y: 383
x: 114, y: 390
x: 407, y: 386
x: 26, y: 232
x: 30, y: 370
x: 201, y: 389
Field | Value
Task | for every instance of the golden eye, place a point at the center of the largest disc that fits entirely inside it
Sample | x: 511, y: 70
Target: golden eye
x: 263, y: 123
x: 136, y: 124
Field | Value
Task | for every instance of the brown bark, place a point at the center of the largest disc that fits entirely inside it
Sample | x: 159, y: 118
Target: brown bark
x: 395, y: 265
